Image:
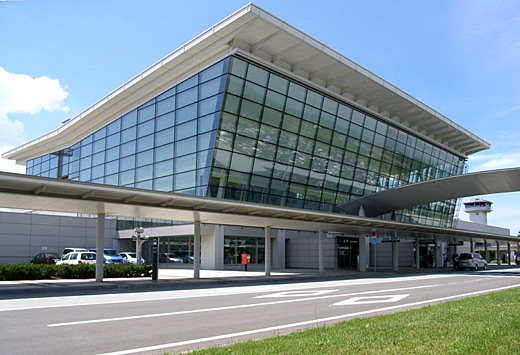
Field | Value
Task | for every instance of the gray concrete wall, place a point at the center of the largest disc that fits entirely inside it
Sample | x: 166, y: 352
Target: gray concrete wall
x: 302, y: 250
x: 23, y: 235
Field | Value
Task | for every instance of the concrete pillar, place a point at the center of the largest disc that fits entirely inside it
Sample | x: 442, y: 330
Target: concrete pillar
x: 320, y: 252
x: 395, y: 256
x: 362, y: 267
x: 417, y: 256
x: 508, y: 253
x: 438, y: 253
x: 499, y: 262
x: 486, y: 252
x: 267, y: 231
x: 212, y: 247
x: 196, y: 250
x: 279, y: 250
x: 100, y: 246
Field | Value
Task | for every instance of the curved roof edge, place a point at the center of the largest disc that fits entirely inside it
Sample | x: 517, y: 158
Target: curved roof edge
x: 265, y: 36
x: 465, y: 185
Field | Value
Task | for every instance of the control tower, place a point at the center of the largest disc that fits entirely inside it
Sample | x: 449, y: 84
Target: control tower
x: 478, y: 210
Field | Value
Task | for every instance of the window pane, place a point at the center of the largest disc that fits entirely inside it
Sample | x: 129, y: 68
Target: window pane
x: 164, y: 137
x: 184, y: 180
x: 165, y: 121
x: 166, y: 106
x: 187, y: 97
x: 186, y: 146
x: 215, y: 70
x: 186, y: 130
x: 146, y: 113
x: 187, y: 113
x: 164, y: 152
x: 145, y: 143
x: 129, y: 120
x: 144, y: 173
x: 164, y: 168
x: 185, y: 163
x: 210, y: 88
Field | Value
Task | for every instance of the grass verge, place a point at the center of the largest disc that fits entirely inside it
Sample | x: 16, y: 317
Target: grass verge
x: 487, y: 324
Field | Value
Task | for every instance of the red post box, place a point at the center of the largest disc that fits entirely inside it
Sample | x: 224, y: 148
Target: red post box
x: 246, y: 260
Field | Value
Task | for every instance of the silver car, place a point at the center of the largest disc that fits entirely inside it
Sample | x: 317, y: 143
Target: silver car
x: 472, y: 261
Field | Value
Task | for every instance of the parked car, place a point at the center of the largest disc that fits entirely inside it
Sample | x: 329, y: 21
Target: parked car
x: 472, y: 261
x: 86, y: 257
x: 187, y: 259
x: 130, y: 257
x: 70, y: 250
x: 110, y: 256
x: 169, y: 258
x: 46, y: 258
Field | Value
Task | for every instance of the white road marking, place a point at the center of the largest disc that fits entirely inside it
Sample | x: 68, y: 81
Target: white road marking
x: 371, y: 299
x: 94, y: 300
x: 249, y: 305
x: 296, y: 294
x: 304, y: 323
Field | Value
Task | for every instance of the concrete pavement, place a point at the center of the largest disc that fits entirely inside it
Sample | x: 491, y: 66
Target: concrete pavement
x: 171, y: 279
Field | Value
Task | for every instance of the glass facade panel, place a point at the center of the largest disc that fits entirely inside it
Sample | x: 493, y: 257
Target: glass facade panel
x: 139, y: 147
x: 239, y: 131
x: 311, y: 151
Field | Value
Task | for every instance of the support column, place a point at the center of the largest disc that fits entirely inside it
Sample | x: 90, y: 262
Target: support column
x: 395, y: 256
x: 417, y: 256
x: 320, y: 252
x: 100, y: 246
x: 362, y: 267
x: 499, y: 262
x: 471, y: 246
x: 267, y: 231
x: 196, y: 250
x: 486, y: 253
x: 508, y: 253
x: 438, y: 254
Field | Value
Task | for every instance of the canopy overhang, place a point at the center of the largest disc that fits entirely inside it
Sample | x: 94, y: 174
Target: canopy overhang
x: 408, y: 196
x: 47, y: 194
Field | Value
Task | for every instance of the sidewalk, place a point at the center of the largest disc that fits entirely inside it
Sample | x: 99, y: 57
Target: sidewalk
x: 172, y: 279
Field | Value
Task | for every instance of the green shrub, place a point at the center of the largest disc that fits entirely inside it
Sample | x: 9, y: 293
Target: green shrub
x: 14, y: 272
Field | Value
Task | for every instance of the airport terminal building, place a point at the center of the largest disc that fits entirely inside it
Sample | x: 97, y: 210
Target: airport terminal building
x: 255, y: 110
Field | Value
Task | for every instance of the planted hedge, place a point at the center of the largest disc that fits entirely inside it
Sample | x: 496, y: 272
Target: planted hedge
x: 16, y: 272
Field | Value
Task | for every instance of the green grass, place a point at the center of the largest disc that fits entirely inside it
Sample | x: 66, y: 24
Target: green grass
x: 488, y: 324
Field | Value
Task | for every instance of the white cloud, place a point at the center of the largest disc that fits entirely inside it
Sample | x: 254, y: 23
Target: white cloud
x: 482, y: 162
x: 23, y: 94
x: 10, y: 165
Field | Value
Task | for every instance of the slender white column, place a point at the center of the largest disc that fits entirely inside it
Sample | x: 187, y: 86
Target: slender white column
x: 196, y: 250
x: 320, y: 252
x: 100, y: 246
x: 267, y: 251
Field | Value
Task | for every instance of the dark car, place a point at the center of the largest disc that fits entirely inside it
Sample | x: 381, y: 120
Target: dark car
x: 46, y: 258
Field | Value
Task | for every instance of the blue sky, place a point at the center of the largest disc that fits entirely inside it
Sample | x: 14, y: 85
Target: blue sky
x: 461, y: 58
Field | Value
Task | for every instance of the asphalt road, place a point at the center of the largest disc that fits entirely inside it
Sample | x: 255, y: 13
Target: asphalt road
x: 176, y: 321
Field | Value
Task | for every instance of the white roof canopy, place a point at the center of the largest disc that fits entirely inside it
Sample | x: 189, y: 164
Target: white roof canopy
x: 47, y: 194
x: 255, y: 33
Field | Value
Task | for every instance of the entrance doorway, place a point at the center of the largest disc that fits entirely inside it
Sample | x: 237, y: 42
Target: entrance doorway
x: 348, y: 251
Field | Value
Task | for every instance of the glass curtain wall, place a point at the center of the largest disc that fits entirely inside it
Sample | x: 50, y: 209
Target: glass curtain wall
x: 285, y: 144
x: 165, y: 144
x: 234, y: 247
